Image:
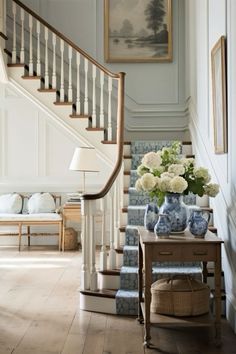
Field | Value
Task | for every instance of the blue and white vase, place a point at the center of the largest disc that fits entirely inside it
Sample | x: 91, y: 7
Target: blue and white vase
x: 198, y: 223
x: 163, y: 226
x: 150, y: 216
x: 176, y: 209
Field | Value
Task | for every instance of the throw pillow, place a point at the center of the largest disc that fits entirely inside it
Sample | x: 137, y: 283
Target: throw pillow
x: 10, y: 203
x: 41, y: 203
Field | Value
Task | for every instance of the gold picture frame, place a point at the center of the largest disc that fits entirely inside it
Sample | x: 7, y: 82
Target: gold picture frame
x: 137, y: 32
x: 218, y: 66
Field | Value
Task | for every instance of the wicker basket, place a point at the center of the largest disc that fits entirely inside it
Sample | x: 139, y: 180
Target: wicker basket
x: 71, y: 242
x: 180, y: 297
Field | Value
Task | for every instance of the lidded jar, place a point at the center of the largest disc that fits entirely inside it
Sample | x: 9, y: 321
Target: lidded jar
x: 198, y: 222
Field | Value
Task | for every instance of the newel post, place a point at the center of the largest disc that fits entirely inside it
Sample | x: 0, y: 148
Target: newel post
x: 85, y: 271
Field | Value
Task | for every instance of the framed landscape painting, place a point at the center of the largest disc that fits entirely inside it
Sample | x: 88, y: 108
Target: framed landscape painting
x: 137, y: 31
x: 218, y: 66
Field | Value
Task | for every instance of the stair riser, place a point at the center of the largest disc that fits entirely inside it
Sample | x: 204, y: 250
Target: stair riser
x: 108, y: 281
x: 97, y: 304
x: 129, y: 281
x: 127, y: 164
x: 130, y: 258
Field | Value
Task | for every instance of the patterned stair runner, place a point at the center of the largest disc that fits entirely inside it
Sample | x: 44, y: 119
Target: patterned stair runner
x: 127, y: 295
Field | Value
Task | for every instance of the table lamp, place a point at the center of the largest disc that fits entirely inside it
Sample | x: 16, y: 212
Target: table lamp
x: 84, y: 160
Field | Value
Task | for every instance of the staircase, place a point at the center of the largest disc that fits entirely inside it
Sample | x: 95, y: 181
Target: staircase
x: 87, y: 100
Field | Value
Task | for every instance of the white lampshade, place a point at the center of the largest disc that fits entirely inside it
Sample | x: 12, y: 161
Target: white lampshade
x: 84, y: 159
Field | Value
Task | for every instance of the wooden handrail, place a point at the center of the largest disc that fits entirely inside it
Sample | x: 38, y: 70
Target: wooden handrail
x: 65, y: 39
x: 3, y: 36
x: 120, y: 142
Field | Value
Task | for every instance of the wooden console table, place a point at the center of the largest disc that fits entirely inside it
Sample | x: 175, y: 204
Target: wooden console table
x: 183, y: 248
x: 70, y: 212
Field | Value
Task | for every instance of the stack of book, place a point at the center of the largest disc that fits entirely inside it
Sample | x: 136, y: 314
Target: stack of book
x: 73, y: 198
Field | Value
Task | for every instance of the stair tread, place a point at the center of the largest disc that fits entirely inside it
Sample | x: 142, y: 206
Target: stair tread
x: 64, y: 103
x: 47, y: 90
x: 115, y: 272
x: 34, y: 77
x: 95, y: 129
x: 129, y: 270
x: 79, y: 116
x: 16, y: 65
x: 108, y: 293
x: 114, y: 142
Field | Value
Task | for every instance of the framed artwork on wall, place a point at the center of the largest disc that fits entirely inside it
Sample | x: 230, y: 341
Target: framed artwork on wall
x: 137, y: 31
x: 218, y: 66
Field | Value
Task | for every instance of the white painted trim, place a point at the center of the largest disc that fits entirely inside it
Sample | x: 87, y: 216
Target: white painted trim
x: 3, y: 142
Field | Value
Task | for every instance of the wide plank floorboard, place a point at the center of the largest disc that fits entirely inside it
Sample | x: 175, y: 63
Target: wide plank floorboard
x: 39, y: 314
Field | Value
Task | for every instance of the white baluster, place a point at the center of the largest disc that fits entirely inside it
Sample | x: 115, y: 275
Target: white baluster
x: 3, y: 16
x: 112, y: 252
x: 62, y: 90
x: 22, y: 49
x: 109, y: 128
x: 38, y: 69
x: 31, y: 65
x: 78, y: 104
x: 14, y: 33
x: 86, y: 86
x: 101, y: 100
x: 70, y: 92
x: 46, y: 75
x: 93, y: 272
x: 103, y: 253
x: 85, y: 274
x: 117, y: 212
x: 94, y: 98
x: 54, y: 77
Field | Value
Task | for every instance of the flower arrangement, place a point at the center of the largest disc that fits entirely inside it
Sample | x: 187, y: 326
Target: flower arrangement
x: 165, y: 172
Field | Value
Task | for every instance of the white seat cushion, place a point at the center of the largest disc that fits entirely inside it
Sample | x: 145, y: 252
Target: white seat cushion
x: 31, y: 217
x: 41, y: 203
x: 10, y: 203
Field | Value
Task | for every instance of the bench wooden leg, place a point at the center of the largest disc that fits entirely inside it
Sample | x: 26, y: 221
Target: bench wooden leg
x: 60, y: 237
x: 28, y: 235
x: 20, y: 234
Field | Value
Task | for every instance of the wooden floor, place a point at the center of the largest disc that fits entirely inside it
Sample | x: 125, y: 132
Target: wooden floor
x: 39, y: 314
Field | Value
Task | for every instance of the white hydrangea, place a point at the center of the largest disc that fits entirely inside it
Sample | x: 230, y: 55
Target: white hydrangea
x: 212, y: 189
x: 167, y: 174
x: 152, y: 160
x: 177, y: 169
x: 141, y: 170
x: 186, y: 162
x: 164, y: 184
x: 148, y: 181
x: 138, y: 185
x: 178, y: 184
x: 202, y: 172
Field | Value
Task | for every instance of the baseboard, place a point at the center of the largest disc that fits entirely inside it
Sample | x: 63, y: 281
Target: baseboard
x: 231, y: 311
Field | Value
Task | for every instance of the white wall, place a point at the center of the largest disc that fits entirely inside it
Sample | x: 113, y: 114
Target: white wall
x: 35, y: 152
x: 206, y: 21
x: 155, y: 102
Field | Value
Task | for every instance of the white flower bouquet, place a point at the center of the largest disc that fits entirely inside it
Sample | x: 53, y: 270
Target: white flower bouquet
x: 165, y: 172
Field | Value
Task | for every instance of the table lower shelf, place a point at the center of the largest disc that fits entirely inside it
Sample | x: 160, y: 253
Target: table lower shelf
x: 172, y: 321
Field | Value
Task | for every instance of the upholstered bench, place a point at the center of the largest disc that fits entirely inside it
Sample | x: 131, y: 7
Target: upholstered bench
x: 25, y: 210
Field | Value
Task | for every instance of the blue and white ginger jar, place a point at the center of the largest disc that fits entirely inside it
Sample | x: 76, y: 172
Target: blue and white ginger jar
x: 150, y: 216
x: 176, y: 209
x: 198, y: 222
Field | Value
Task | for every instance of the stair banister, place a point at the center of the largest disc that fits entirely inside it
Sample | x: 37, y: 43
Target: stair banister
x: 66, y: 40
x: 88, y: 275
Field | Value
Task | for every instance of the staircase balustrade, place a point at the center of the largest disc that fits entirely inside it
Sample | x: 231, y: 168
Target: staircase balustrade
x: 95, y: 93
